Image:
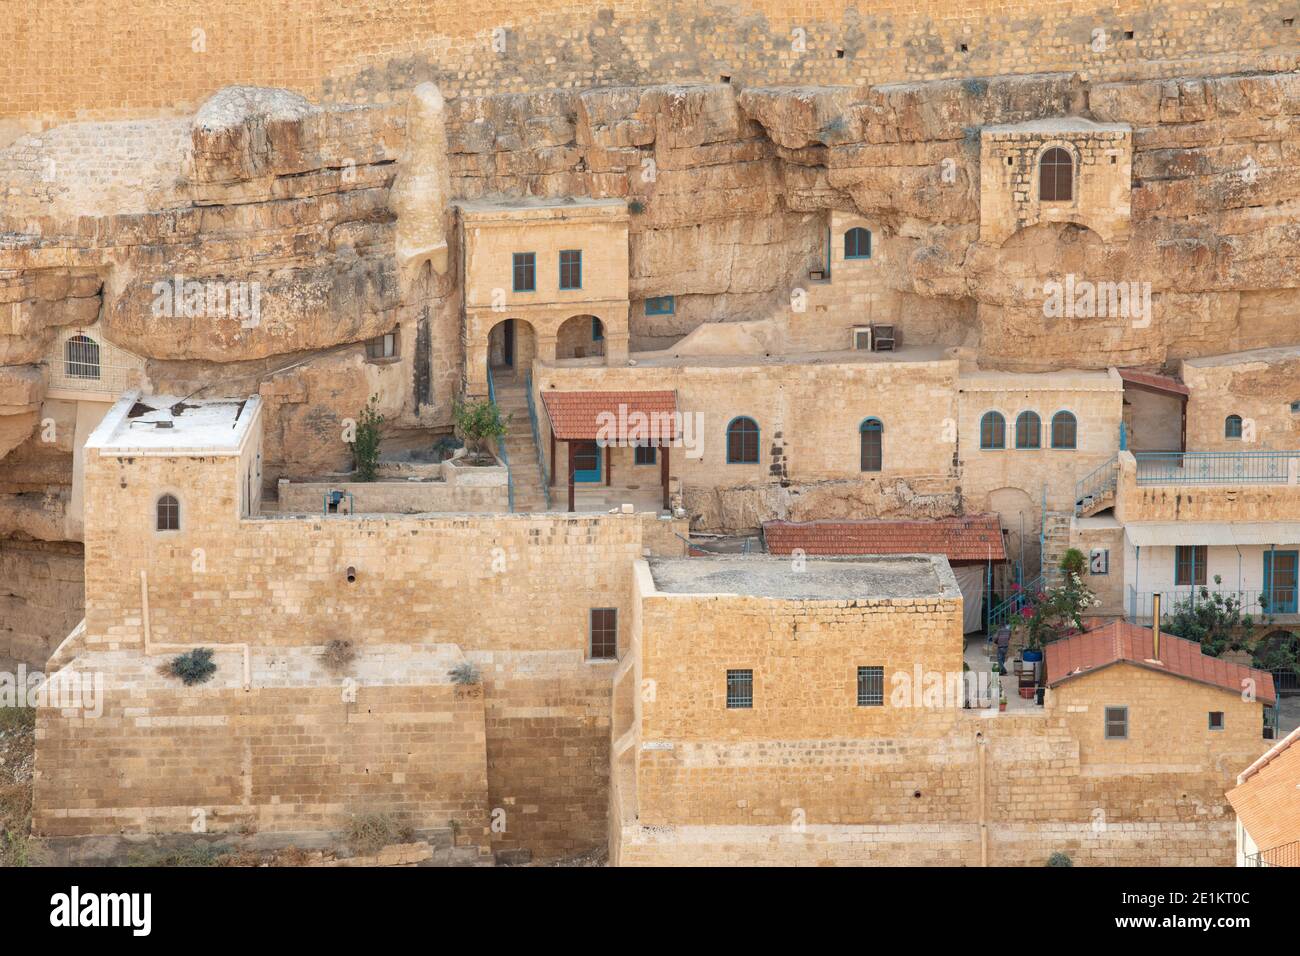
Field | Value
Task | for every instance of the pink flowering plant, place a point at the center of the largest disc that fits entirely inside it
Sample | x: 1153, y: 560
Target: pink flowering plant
x: 1055, y: 612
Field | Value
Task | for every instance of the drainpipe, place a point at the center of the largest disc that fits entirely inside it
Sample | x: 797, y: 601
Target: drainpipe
x: 1137, y: 578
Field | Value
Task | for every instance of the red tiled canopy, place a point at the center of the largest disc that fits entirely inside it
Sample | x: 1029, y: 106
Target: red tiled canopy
x: 1120, y: 641
x: 967, y: 538
x: 1158, y: 383
x: 635, y: 416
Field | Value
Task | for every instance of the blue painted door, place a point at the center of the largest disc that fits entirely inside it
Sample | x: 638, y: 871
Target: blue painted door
x: 586, y: 461
x: 1280, y: 581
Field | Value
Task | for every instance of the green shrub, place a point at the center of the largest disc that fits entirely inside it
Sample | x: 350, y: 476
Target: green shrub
x: 365, y: 446
x: 477, y: 422
x: 1060, y: 859
x: 194, y: 667
x: 465, y: 673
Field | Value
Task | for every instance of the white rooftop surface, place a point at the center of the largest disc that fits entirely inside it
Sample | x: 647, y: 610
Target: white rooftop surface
x: 162, y: 423
x: 1060, y: 124
x: 506, y: 203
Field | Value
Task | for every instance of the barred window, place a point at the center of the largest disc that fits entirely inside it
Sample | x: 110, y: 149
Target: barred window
x: 740, y: 689
x: 382, y: 346
x: 571, y: 269
x: 168, y: 516
x: 1116, y: 723
x: 525, y: 268
x: 1056, y: 176
x: 993, y: 431
x: 81, y: 357
x: 871, y: 687
x: 603, y: 644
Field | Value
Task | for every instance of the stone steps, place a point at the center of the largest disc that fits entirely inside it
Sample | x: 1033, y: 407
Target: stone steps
x: 525, y: 473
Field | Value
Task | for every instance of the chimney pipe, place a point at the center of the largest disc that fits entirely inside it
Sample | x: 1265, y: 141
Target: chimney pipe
x: 1155, y: 626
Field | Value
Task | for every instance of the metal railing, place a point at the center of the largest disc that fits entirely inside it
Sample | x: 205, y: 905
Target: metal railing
x: 1000, y: 612
x: 1096, y: 485
x: 1217, y: 467
x: 1278, y: 601
x: 501, y: 445
x: 537, y: 441
x: 1287, y: 854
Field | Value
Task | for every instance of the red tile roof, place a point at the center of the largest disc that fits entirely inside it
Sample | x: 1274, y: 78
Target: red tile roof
x: 967, y: 538
x: 1120, y: 641
x: 1161, y: 383
x: 1267, y: 799
x: 612, y: 415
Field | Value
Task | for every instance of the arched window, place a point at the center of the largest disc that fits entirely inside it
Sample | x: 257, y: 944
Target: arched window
x: 169, y: 514
x: 1056, y: 176
x: 1065, y: 430
x: 993, y: 430
x: 870, y: 434
x: 857, y: 243
x: 1029, y: 430
x: 1232, y: 427
x: 742, y: 442
x: 81, y: 357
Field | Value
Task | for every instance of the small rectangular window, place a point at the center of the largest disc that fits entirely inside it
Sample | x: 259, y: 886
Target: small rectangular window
x: 660, y: 305
x: 871, y: 687
x: 1216, y: 720
x: 1116, y: 723
x: 597, y: 330
x: 603, y: 644
x: 571, y: 269
x: 740, y: 689
x: 382, y: 346
x: 1189, y: 564
x: 525, y: 267
x: 646, y: 454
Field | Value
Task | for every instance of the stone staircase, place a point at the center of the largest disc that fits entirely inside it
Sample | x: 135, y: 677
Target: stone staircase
x: 1096, y: 492
x: 1056, y: 541
x: 525, y: 472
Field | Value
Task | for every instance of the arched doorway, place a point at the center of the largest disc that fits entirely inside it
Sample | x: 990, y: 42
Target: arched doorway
x: 512, y: 346
x: 580, y: 336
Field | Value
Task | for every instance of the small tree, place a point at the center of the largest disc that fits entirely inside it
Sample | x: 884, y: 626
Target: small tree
x: 1055, y: 612
x: 365, y: 446
x: 477, y: 422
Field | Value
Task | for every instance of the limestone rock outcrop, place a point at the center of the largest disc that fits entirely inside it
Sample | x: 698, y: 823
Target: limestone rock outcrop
x: 422, y: 190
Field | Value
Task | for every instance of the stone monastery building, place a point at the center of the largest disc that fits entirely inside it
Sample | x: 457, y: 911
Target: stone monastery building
x: 819, y: 342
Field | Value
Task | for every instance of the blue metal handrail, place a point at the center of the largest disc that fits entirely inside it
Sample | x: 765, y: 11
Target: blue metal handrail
x: 1001, y: 612
x: 1216, y: 467
x: 501, y: 445
x: 1102, y: 479
x: 537, y: 440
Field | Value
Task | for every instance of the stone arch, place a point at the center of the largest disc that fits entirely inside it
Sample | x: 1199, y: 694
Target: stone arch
x: 1018, y: 512
x: 512, y: 346
x: 580, y: 336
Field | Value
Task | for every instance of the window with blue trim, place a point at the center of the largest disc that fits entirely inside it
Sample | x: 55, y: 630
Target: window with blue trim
x: 597, y: 329
x: 1029, y: 430
x: 857, y: 243
x: 571, y: 269
x: 993, y: 431
x: 871, y: 452
x: 660, y: 305
x: 742, y: 442
x: 525, y: 268
x: 1232, y: 427
x: 1065, y: 430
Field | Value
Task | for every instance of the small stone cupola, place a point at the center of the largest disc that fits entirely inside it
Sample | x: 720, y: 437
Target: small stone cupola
x: 1057, y: 170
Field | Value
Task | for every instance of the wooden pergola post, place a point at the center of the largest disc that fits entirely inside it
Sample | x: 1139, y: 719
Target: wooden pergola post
x: 609, y: 464
x: 568, y: 450
x: 663, y: 472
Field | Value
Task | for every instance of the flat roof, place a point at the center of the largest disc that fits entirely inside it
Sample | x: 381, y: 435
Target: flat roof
x: 158, y: 424
x: 1242, y: 358
x: 1059, y: 124
x: 493, y: 208
x: 816, y: 579
x: 667, y: 358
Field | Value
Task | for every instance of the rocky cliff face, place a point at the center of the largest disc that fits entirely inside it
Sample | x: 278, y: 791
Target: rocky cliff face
x: 729, y: 194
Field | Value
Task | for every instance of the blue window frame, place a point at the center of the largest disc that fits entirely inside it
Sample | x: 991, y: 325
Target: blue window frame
x: 870, y: 442
x: 1065, y: 430
x: 660, y: 305
x: 1029, y: 430
x: 857, y: 243
x: 993, y: 431
x: 742, y: 441
x: 1232, y: 427
x: 525, y: 269
x: 597, y: 329
x: 571, y: 269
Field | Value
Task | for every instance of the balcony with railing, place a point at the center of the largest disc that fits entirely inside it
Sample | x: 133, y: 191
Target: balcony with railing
x: 1288, y: 854
x: 1277, y: 604
x: 1228, y: 486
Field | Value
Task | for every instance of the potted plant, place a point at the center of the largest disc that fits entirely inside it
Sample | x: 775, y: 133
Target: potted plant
x: 1002, y: 702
